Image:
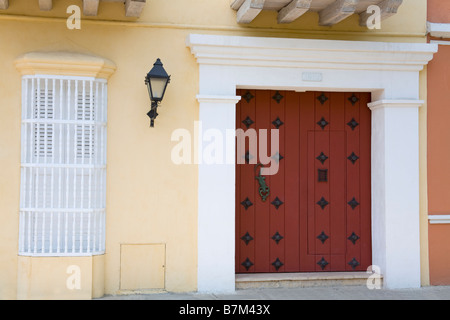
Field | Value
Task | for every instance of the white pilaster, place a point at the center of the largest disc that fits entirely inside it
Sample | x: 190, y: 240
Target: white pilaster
x: 216, y: 199
x: 395, y: 191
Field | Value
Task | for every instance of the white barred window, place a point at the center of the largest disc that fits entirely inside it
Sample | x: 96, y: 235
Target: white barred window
x: 63, y: 166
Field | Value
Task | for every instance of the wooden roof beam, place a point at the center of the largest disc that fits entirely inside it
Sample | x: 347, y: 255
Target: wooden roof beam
x: 236, y: 4
x: 388, y: 8
x: 293, y: 10
x: 45, y: 5
x: 337, y: 11
x: 90, y: 7
x: 249, y: 10
x: 4, y: 4
x: 133, y: 8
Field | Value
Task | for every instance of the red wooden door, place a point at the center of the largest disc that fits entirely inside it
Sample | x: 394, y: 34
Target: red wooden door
x: 317, y: 215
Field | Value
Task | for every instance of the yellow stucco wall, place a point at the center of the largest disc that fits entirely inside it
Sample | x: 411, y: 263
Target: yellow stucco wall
x: 149, y: 199
x: 62, y: 278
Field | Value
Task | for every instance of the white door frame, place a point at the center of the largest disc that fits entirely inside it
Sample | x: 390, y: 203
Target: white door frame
x: 390, y: 71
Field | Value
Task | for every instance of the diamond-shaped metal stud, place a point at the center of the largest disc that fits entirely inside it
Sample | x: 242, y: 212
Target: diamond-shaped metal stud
x: 322, y: 203
x: 322, y: 263
x: 277, y: 97
x: 247, y: 238
x: 277, y: 157
x: 247, y: 263
x: 248, y: 96
x: 322, y: 98
x: 277, y: 122
x: 353, y: 124
x: 246, y: 203
x: 353, y: 263
x: 353, y: 203
x: 322, y: 237
x: 322, y: 123
x: 322, y: 157
x: 248, y: 122
x: 353, y: 238
x: 353, y: 99
x: 277, y: 264
x: 277, y: 203
x: 277, y: 237
x: 353, y: 157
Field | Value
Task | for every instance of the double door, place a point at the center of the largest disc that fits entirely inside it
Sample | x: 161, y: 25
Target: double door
x: 315, y: 215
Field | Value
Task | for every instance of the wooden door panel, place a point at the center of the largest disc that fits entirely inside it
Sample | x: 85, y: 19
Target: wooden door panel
x: 277, y: 185
x: 307, y: 123
x: 313, y: 207
x: 321, y: 221
x: 262, y: 209
x: 337, y: 181
x: 321, y: 140
x: 365, y: 185
x: 290, y: 162
x: 245, y: 191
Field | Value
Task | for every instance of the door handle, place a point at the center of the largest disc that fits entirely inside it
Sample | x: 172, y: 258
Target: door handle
x: 264, y: 189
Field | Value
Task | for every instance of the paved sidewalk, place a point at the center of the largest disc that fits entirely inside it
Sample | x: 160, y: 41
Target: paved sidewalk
x: 315, y: 293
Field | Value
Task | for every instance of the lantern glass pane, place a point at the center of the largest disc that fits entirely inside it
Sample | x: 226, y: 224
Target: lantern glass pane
x: 149, y: 90
x: 158, y: 87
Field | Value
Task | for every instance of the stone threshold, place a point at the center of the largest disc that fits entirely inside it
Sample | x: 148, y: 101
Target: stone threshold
x: 307, y: 279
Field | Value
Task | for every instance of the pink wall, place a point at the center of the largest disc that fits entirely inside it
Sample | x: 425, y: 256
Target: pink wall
x: 439, y: 11
x: 439, y: 149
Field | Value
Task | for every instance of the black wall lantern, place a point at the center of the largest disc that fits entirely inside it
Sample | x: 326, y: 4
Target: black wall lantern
x: 156, y: 80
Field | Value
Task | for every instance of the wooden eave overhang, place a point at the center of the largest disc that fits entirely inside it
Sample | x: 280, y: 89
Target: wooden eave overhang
x: 132, y: 8
x: 330, y: 12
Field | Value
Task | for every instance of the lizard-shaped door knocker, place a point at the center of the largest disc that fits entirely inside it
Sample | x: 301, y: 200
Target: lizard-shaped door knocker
x: 264, y: 189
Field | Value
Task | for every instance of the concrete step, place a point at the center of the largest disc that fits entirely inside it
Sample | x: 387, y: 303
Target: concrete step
x: 296, y: 280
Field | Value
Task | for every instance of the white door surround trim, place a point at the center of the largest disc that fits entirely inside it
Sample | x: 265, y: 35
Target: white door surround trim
x: 390, y: 71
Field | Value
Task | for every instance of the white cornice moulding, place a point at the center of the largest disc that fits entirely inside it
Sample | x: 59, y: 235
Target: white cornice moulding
x: 441, y: 42
x: 218, y: 99
x: 439, y: 219
x: 439, y: 30
x: 64, y: 63
x: 309, y: 54
x: 395, y: 104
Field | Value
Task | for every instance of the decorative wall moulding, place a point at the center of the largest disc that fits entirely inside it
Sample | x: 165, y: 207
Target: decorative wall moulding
x: 439, y: 219
x: 438, y: 30
x: 218, y: 99
x: 395, y: 104
x: 309, y: 54
x: 64, y: 63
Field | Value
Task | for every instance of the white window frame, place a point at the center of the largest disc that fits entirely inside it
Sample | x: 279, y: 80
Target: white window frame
x: 63, y: 185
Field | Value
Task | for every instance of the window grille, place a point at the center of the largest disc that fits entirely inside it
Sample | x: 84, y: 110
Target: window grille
x: 63, y: 166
